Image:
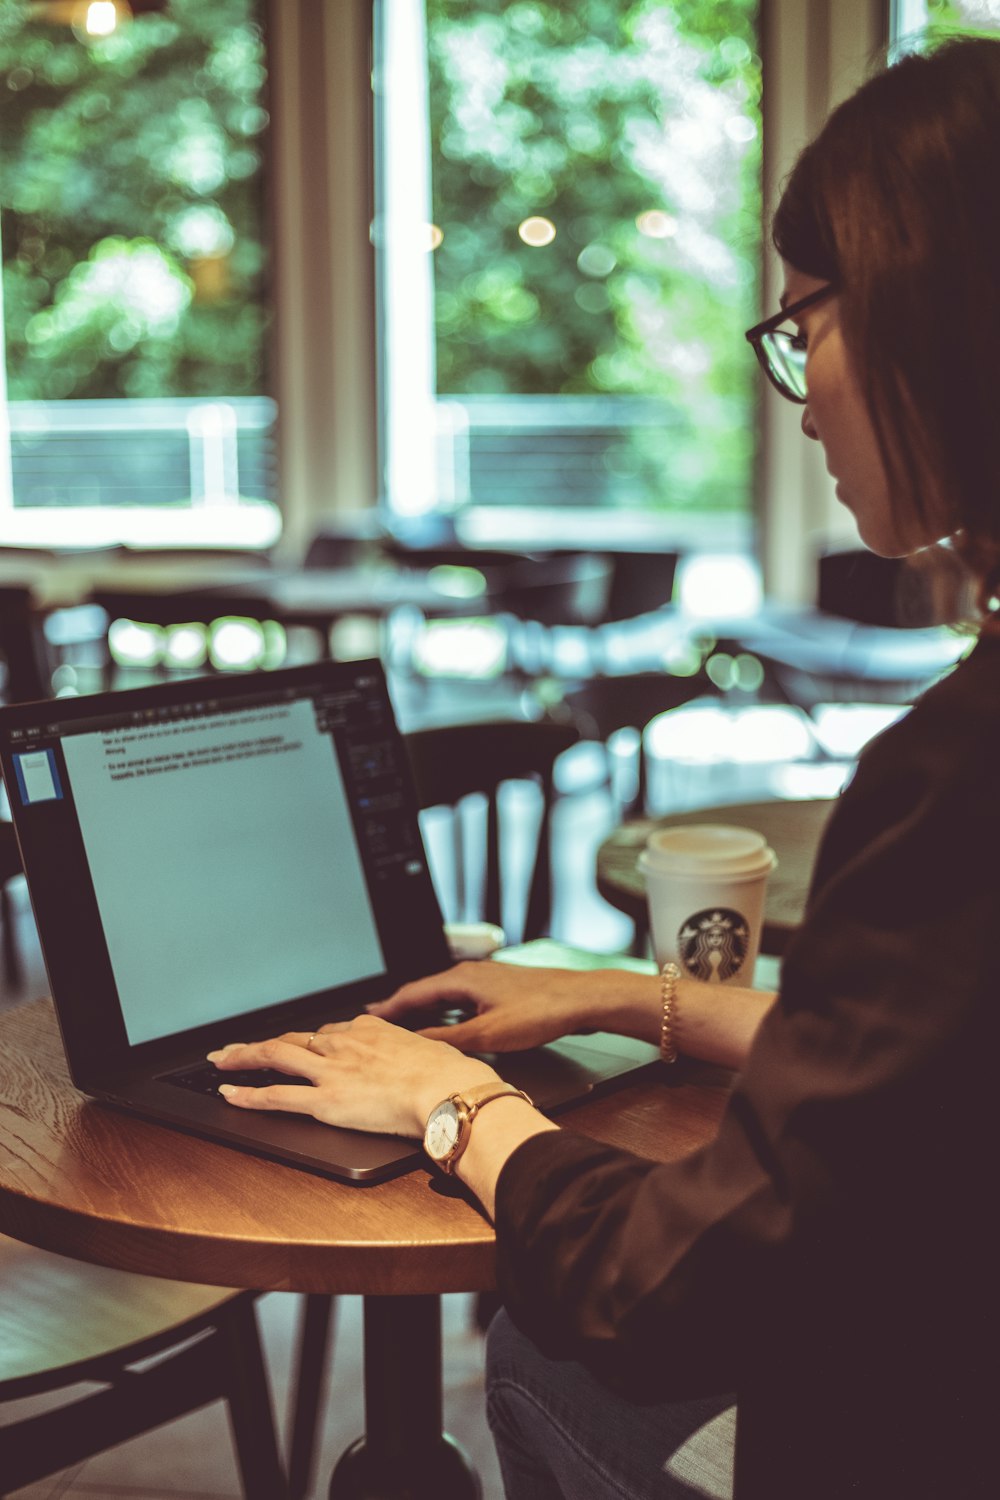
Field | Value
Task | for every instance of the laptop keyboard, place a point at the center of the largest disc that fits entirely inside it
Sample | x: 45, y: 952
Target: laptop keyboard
x: 204, y: 1078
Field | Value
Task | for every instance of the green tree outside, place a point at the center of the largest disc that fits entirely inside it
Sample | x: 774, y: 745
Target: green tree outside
x: 634, y: 127
x: 131, y: 204
x: 970, y: 17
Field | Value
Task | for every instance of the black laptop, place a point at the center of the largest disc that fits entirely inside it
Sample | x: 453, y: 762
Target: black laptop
x: 223, y: 859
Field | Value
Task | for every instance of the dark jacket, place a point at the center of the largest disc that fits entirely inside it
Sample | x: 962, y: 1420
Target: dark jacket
x: 832, y: 1254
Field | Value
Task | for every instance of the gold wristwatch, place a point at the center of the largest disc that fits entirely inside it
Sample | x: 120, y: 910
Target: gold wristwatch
x: 449, y: 1124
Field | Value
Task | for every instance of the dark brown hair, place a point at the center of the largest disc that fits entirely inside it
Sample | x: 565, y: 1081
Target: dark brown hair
x: 898, y: 201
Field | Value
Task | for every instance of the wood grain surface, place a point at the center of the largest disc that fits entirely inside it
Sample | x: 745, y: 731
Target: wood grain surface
x: 793, y: 830
x: 86, y: 1180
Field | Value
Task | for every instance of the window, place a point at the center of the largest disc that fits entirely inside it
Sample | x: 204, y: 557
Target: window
x: 134, y: 257
x: 569, y: 241
x: 912, y: 20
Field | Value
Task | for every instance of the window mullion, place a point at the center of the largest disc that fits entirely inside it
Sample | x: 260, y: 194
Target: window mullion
x: 813, y: 57
x: 323, y: 338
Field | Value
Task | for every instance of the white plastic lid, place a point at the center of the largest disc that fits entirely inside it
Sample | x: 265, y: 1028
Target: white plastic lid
x: 709, y: 849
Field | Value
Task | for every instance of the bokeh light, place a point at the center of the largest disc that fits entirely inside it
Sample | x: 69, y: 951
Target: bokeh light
x: 133, y: 643
x: 656, y: 224
x: 236, y: 644
x: 537, y: 231
x: 99, y: 18
x: 596, y: 260
x: 186, y: 646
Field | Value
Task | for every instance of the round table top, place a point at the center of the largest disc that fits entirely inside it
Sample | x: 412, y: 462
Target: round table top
x: 793, y: 830
x: 92, y: 1182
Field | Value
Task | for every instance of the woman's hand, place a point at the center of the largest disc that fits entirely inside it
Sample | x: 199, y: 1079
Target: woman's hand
x: 513, y: 1007
x: 365, y: 1074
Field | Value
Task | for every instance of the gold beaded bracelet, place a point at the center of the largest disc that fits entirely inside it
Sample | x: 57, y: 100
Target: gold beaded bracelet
x: 670, y: 976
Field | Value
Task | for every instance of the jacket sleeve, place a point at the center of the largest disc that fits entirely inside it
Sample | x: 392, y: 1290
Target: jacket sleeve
x: 864, y: 1098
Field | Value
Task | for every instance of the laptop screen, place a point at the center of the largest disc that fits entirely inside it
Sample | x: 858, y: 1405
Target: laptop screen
x: 246, y: 845
x: 233, y: 896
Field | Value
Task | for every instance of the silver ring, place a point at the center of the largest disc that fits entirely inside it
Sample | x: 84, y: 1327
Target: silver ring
x: 309, y: 1041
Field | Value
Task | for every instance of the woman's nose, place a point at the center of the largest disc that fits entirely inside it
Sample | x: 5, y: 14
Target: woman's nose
x: 807, y: 425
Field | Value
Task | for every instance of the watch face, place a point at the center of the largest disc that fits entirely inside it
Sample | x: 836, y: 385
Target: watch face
x: 442, y: 1131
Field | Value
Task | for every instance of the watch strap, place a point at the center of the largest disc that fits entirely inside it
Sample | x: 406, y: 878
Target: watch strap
x: 485, y: 1093
x: 468, y: 1103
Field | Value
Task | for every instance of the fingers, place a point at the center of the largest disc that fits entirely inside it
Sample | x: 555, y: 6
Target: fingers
x: 451, y: 984
x: 288, y: 1054
x: 295, y: 1052
x: 291, y: 1098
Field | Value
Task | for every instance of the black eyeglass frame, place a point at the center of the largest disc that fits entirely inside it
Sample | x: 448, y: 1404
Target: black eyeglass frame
x: 755, y: 337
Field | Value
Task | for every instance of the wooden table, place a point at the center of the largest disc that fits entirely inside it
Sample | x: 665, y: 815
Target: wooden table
x: 82, y: 1179
x: 793, y: 830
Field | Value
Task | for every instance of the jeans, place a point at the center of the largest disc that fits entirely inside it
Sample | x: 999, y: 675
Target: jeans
x: 560, y: 1435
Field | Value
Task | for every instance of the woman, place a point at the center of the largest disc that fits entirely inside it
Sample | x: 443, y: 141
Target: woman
x: 830, y: 1257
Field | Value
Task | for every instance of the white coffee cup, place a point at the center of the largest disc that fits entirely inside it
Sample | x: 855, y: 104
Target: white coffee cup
x: 705, y: 886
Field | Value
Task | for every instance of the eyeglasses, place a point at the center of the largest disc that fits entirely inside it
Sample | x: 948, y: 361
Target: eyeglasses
x: 781, y: 352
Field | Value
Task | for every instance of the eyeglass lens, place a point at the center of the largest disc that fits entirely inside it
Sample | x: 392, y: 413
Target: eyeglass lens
x: 786, y: 363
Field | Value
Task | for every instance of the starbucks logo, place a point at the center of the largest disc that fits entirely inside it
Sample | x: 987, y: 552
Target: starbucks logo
x: 713, y: 944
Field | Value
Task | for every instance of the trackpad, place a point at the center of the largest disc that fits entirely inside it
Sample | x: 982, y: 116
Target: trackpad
x: 569, y: 1070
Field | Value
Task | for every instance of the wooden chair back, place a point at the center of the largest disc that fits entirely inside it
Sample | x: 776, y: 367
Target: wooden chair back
x: 453, y: 762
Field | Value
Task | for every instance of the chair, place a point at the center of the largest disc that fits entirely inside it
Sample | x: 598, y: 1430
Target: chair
x: 640, y: 590
x: 453, y: 762
x: 639, y: 599
x: 10, y: 865
x: 63, y: 1322
x: 641, y: 583
x: 877, y: 635
x: 29, y: 663
x: 541, y: 595
x: 27, y: 656
x: 893, y: 592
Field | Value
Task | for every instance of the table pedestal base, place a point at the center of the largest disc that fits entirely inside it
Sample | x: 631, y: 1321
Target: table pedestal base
x: 404, y: 1454
x: 363, y: 1475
